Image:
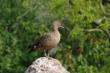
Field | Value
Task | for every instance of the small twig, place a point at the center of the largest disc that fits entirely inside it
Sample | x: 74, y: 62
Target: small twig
x: 98, y: 21
x: 108, y: 33
x: 97, y: 30
x: 92, y: 30
x: 101, y: 6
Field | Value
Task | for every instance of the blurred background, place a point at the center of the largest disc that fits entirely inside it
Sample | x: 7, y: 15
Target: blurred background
x: 85, y: 42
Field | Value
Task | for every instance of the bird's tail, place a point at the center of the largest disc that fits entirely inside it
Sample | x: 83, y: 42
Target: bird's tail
x: 33, y: 50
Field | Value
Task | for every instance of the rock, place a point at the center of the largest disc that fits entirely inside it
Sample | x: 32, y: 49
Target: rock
x: 46, y: 65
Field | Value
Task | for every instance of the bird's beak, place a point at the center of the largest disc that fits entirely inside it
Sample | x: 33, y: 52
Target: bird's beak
x: 61, y: 26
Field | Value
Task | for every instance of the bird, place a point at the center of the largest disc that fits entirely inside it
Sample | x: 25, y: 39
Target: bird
x: 48, y: 40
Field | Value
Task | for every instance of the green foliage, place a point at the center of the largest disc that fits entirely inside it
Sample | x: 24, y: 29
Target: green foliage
x: 83, y: 49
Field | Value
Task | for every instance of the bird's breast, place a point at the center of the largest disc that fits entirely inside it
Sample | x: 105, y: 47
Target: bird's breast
x: 52, y: 41
x: 56, y: 37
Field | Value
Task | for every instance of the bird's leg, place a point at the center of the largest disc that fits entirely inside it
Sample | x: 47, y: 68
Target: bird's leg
x: 45, y: 53
x: 48, y: 54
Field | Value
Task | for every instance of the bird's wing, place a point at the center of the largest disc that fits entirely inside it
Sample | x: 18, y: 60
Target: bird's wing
x: 40, y: 42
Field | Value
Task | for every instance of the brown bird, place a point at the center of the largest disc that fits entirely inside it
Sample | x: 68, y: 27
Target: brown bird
x: 48, y: 40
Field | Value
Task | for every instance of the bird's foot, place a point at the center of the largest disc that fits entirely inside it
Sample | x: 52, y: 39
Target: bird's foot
x: 47, y: 55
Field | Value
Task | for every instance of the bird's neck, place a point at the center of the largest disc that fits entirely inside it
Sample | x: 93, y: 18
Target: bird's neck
x: 55, y: 30
x: 56, y: 35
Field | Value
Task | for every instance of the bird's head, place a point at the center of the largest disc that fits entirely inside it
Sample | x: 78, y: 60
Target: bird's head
x: 56, y: 25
